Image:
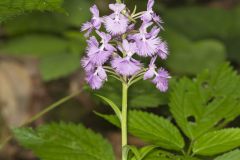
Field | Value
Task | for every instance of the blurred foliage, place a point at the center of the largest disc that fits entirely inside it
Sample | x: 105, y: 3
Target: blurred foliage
x: 191, y: 57
x: 204, y: 22
x: 10, y: 8
x: 77, y: 13
x: 50, y: 37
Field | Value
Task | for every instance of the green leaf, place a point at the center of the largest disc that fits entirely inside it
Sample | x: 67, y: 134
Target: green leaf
x: 65, y: 142
x: 9, y: 8
x: 135, y: 151
x: 153, y: 129
x: 187, y: 158
x: 233, y: 155
x: 206, y: 103
x: 140, y: 154
x: 217, y: 142
x: 113, y: 106
x: 161, y: 155
x: 204, y: 54
x: 110, y: 118
x: 145, y: 151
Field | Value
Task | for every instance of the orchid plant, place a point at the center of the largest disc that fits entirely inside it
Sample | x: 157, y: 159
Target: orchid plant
x: 119, y: 45
x: 118, y: 49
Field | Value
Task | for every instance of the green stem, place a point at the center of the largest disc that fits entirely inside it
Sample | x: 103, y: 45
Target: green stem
x: 136, y: 80
x: 40, y: 114
x: 49, y: 108
x: 190, y: 148
x: 124, y: 13
x: 124, y: 117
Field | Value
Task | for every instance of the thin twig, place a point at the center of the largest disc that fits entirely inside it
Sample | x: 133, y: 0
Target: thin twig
x: 135, y: 80
x: 40, y: 114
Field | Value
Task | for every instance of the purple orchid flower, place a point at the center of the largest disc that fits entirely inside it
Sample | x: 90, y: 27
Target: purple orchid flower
x: 127, y: 66
x: 116, y: 23
x: 161, y: 77
x: 98, y: 55
x: 151, y: 70
x: 95, y: 22
x: 154, y: 32
x: 147, y: 43
x: 161, y: 80
x: 163, y: 50
x: 87, y: 65
x: 92, y: 41
x: 150, y: 15
x: 97, y: 78
x: 105, y: 41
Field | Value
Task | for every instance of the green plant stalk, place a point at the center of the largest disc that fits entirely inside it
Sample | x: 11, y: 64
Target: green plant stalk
x: 124, y: 117
x: 49, y: 108
x: 190, y: 148
x: 124, y: 13
x: 40, y: 114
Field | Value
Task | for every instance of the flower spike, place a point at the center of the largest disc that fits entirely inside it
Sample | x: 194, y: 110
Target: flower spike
x: 119, y: 48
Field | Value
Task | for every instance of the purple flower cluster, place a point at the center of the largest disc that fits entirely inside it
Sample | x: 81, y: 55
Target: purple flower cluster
x: 116, y: 47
